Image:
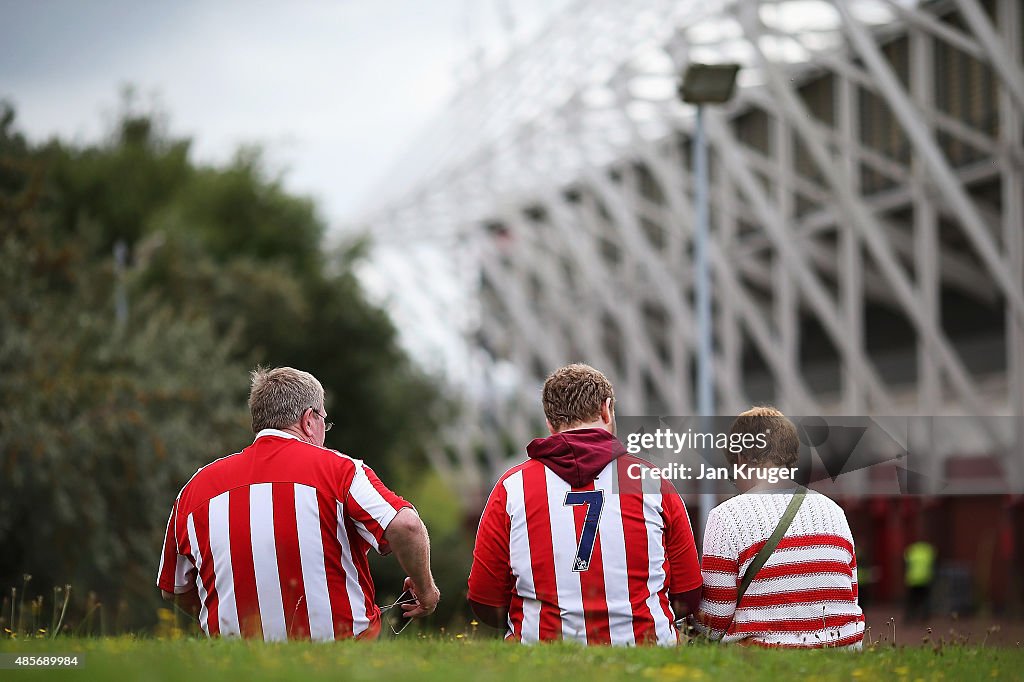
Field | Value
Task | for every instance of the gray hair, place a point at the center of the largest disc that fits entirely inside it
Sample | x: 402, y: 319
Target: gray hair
x: 279, y: 396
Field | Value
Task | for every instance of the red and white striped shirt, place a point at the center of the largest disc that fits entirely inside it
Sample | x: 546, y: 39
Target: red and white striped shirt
x: 275, y: 538
x: 804, y: 596
x: 594, y: 563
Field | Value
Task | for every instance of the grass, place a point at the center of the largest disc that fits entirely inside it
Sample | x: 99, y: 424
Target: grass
x: 465, y: 654
x: 449, y: 659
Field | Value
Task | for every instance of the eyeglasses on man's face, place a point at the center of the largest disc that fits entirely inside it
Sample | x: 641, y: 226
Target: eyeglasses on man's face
x: 327, y: 424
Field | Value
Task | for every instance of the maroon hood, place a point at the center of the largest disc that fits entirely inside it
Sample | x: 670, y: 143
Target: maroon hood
x: 576, y: 456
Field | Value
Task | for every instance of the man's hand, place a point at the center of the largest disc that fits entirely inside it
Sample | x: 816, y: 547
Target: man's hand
x: 408, y: 538
x: 426, y: 600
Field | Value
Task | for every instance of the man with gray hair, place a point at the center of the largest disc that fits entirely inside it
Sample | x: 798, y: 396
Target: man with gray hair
x: 272, y: 541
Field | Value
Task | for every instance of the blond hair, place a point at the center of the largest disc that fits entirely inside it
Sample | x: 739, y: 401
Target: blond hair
x: 279, y: 396
x: 782, y: 447
x: 574, y: 394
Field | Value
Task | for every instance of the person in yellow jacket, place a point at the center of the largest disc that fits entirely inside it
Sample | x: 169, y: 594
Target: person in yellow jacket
x: 919, y: 559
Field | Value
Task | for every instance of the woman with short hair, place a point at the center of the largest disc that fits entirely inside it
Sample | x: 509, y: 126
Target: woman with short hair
x: 804, y: 594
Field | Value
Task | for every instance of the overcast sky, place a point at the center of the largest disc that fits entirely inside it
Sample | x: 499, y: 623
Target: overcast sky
x: 334, y: 90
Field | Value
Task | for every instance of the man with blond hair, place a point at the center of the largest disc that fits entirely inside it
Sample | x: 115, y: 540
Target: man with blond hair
x: 791, y: 549
x: 271, y: 542
x: 568, y: 548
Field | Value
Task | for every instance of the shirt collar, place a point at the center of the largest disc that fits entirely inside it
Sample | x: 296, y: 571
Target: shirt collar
x: 274, y: 432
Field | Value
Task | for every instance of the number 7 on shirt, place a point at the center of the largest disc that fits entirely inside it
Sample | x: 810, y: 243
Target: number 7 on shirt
x: 594, y: 500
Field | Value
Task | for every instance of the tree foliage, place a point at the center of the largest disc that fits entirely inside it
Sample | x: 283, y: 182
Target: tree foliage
x: 102, y: 420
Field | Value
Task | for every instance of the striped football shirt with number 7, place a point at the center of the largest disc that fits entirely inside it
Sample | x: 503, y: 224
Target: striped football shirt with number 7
x: 595, y: 564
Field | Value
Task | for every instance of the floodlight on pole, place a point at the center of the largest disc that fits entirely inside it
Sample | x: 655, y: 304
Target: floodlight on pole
x: 704, y: 84
x: 708, y: 83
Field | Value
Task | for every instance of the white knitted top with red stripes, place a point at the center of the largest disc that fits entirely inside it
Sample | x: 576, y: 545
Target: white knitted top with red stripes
x: 806, y: 593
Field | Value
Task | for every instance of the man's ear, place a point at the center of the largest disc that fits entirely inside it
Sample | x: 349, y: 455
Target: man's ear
x: 606, y: 411
x: 551, y: 429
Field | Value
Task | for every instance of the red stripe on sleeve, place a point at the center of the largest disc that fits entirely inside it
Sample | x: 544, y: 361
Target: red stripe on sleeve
x: 719, y: 564
x: 357, y: 513
x: 240, y: 528
x: 490, y: 576
x: 341, y: 609
x: 396, y: 501
x: 714, y: 622
x: 724, y: 595
x: 853, y: 575
x: 542, y: 558
x: 289, y: 564
x: 169, y: 561
x: 680, y: 549
x: 186, y: 548
x: 367, y: 509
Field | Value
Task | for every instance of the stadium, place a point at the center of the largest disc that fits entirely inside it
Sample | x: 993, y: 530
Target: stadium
x: 866, y: 245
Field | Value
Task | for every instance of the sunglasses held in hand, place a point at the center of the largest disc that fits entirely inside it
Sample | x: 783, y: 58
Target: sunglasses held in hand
x: 396, y: 619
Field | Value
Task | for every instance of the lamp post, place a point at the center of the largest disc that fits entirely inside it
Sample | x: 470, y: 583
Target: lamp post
x: 704, y: 84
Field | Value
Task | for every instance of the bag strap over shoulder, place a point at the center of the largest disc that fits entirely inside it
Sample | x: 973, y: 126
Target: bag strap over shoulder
x: 769, y: 546
x: 773, y: 541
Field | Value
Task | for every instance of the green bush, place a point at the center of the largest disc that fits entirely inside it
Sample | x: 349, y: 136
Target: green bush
x: 119, y: 380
